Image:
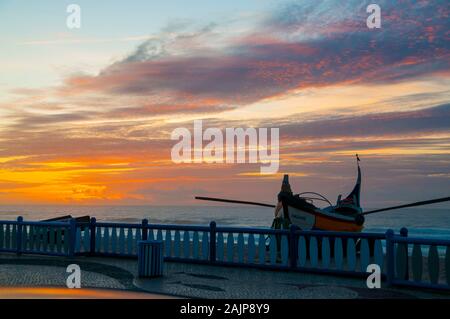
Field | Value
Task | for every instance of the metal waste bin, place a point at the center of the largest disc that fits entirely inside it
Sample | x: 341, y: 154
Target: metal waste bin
x: 150, y: 258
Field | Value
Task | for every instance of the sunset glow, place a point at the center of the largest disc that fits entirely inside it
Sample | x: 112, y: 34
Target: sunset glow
x: 87, y: 115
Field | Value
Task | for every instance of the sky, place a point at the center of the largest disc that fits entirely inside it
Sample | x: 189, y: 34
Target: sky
x: 87, y: 114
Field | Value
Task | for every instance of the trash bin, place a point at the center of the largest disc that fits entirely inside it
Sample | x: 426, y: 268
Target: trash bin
x: 150, y: 258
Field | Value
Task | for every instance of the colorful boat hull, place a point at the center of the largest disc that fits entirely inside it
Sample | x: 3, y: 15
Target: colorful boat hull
x: 322, y: 221
x: 306, y: 216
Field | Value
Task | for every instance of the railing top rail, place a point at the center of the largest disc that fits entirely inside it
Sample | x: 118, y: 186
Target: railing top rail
x: 341, y: 234
x: 179, y: 227
x: 220, y: 229
x: 251, y: 230
x: 116, y: 225
x: 35, y: 223
x: 244, y: 230
x: 300, y: 232
x: 46, y: 224
x: 425, y: 241
x: 153, y: 226
x: 8, y: 222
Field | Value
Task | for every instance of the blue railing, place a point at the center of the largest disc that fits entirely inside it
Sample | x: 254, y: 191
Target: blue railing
x: 399, y: 256
x: 237, y: 246
x: 417, y: 262
x: 44, y: 238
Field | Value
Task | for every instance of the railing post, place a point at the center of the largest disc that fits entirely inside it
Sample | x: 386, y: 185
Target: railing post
x: 92, y: 230
x: 72, y: 236
x: 404, y: 233
x: 212, y: 242
x: 19, y: 235
x: 144, y: 229
x: 293, y: 245
x: 390, y: 257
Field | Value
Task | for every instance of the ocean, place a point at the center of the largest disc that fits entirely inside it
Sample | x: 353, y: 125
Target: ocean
x: 421, y: 222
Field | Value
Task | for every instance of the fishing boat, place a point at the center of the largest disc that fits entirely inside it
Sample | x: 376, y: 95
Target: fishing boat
x: 300, y: 210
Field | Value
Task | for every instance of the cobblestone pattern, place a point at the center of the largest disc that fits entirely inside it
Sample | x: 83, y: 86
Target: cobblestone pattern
x: 194, y: 281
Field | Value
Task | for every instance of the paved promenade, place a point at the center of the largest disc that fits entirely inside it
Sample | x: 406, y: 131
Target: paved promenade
x: 189, y: 280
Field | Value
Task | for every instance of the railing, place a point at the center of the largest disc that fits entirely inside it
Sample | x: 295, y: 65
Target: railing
x: 45, y: 238
x: 255, y: 247
x: 337, y: 252
x: 419, y: 262
x: 398, y: 256
x: 316, y: 251
x: 120, y: 240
